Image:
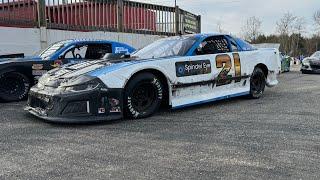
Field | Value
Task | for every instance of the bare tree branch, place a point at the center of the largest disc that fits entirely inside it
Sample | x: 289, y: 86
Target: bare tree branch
x: 299, y: 25
x: 219, y: 27
x: 251, y: 29
x: 316, y: 18
x: 286, y: 24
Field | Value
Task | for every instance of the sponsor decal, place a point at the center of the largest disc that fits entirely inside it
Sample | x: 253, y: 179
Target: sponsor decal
x: 114, y: 102
x: 119, y: 50
x: 115, y: 109
x: 57, y: 63
x: 37, y: 66
x: 101, y: 110
x: 191, y: 68
x: 39, y: 72
x: 75, y: 61
x: 114, y: 105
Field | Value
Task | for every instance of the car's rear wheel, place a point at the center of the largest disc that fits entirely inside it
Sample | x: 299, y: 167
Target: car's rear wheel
x: 14, y: 86
x: 143, y: 96
x: 257, y: 83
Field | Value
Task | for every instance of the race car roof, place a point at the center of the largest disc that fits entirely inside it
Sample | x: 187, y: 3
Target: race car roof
x: 71, y: 41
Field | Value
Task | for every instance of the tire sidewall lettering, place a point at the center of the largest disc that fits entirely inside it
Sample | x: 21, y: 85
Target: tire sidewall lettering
x: 159, y: 92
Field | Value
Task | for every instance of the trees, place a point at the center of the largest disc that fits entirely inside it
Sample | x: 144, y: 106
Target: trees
x: 285, y: 28
x: 286, y: 23
x: 316, y: 18
x: 252, y: 28
x: 219, y: 27
x: 290, y: 33
x: 298, y: 30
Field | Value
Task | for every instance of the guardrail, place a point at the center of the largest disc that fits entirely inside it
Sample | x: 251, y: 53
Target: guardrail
x: 104, y: 15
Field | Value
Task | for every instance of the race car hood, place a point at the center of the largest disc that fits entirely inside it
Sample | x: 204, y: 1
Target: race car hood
x: 309, y: 59
x: 72, y: 72
x: 92, y: 67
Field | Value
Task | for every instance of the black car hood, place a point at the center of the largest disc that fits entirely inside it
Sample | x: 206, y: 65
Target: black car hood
x: 18, y: 60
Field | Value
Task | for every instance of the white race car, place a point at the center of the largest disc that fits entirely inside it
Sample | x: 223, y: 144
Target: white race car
x: 177, y: 71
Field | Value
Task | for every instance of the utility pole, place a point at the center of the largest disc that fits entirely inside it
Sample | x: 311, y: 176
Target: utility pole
x: 42, y: 23
x: 175, y: 3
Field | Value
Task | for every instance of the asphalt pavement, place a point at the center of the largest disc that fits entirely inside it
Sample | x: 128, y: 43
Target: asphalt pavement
x: 275, y: 137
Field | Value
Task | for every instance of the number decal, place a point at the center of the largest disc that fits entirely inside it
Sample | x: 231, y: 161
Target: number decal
x: 224, y: 62
x: 237, y: 67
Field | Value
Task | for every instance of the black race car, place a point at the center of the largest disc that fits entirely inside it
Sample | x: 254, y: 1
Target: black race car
x: 311, y: 64
x: 19, y: 74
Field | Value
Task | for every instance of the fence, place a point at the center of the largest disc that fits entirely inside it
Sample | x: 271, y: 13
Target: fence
x: 99, y: 15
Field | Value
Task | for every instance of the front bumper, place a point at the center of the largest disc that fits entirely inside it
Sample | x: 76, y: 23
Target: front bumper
x: 79, y: 107
x: 310, y: 69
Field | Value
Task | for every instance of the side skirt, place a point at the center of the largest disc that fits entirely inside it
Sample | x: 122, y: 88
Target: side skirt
x: 212, y: 100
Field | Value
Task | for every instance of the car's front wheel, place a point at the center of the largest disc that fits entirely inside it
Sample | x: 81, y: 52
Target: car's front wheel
x: 257, y: 83
x: 143, y: 96
x: 14, y: 86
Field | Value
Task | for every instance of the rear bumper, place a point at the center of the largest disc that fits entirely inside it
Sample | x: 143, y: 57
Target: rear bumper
x: 272, y: 79
x: 90, y: 106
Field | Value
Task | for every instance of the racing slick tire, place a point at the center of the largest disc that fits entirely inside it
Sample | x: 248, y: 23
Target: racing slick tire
x: 143, y: 96
x: 257, y: 83
x: 14, y: 86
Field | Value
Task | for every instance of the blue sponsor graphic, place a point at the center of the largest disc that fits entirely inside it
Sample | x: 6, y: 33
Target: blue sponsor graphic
x: 181, y: 70
x: 192, y: 68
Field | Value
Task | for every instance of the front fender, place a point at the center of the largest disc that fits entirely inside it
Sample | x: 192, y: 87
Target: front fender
x: 119, y: 78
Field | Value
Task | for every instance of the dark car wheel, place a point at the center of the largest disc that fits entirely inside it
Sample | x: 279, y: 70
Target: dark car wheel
x: 305, y: 72
x: 143, y: 96
x: 14, y: 86
x: 257, y: 83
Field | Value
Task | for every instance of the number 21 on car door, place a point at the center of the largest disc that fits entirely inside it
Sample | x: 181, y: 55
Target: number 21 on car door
x: 229, y: 68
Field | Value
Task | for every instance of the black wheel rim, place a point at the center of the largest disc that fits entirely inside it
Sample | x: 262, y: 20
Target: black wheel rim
x: 143, y: 96
x: 257, y: 84
x: 12, y: 85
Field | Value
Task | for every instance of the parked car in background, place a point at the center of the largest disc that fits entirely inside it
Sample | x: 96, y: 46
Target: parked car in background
x: 19, y: 74
x: 177, y: 71
x: 285, y: 62
x: 311, y: 64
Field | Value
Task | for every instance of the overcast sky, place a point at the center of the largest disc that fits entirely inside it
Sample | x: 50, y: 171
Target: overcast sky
x: 232, y: 14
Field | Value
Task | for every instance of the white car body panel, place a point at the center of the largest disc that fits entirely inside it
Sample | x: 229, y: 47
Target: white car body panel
x: 179, y: 97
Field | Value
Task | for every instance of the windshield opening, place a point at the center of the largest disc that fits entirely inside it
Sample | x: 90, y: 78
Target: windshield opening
x: 174, y: 46
x: 52, y: 49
